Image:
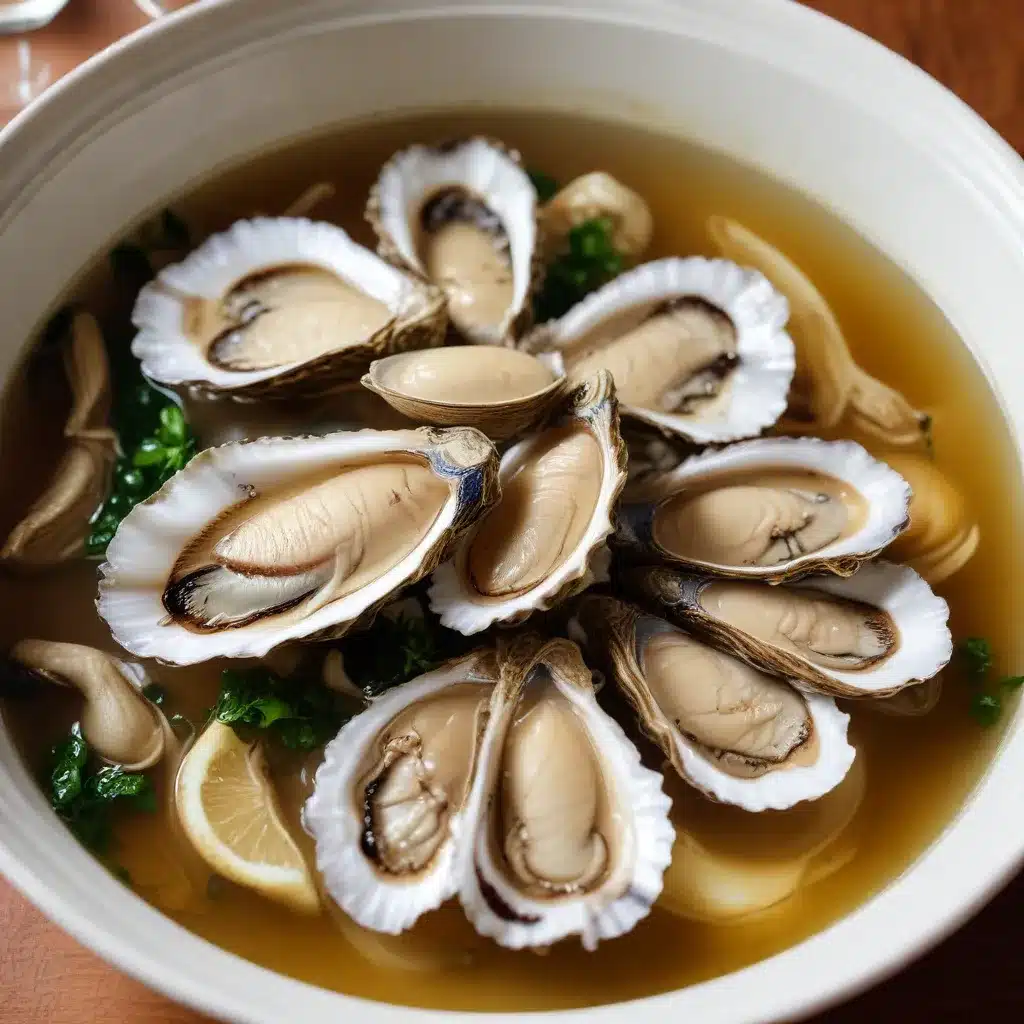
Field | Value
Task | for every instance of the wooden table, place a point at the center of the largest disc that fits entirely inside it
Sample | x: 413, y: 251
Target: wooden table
x: 976, y: 47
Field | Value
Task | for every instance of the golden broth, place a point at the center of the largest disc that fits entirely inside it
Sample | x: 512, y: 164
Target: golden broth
x: 919, y: 770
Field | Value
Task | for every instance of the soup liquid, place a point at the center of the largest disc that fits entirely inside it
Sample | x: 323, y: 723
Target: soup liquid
x: 918, y: 770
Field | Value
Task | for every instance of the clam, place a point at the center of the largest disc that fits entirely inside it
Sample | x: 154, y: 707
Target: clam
x: 501, y: 391
x: 870, y: 635
x: 255, y: 544
x: 739, y: 735
x: 499, y: 778
x: 279, y: 306
x: 697, y: 347
x: 464, y: 216
x: 773, y: 509
x: 546, y: 538
x: 55, y: 527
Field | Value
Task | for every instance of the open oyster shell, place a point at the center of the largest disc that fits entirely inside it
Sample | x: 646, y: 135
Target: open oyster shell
x: 498, y: 390
x: 697, y: 347
x: 738, y: 735
x: 464, y: 215
x: 773, y: 509
x: 257, y: 543
x: 870, y: 635
x: 499, y: 778
x: 545, y: 540
x: 280, y: 305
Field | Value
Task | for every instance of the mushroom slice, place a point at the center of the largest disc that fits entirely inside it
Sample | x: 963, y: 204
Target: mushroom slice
x: 255, y: 544
x: 869, y: 635
x: 279, y: 305
x: 737, y: 734
x: 500, y: 391
x: 574, y: 836
x: 697, y: 347
x: 117, y: 721
x: 545, y: 540
x: 55, y: 527
x: 463, y: 215
x: 594, y: 196
x: 773, y: 509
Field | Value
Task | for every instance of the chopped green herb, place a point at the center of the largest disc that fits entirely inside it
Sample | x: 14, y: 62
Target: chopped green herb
x: 154, y: 693
x: 976, y: 653
x: 1012, y: 682
x: 544, y: 185
x: 590, y: 261
x: 986, y: 708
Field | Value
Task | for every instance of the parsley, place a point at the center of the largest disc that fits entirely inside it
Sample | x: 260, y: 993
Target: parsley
x: 154, y: 693
x: 300, y: 715
x: 544, y: 185
x: 987, y: 701
x: 986, y: 708
x: 85, y: 800
x: 976, y: 653
x: 590, y: 261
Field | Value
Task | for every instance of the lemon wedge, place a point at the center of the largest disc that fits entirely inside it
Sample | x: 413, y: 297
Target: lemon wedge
x: 230, y: 813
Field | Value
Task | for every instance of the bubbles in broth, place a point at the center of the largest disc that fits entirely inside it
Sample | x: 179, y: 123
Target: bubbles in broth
x: 727, y: 743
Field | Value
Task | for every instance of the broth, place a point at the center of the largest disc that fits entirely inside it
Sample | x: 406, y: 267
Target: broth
x: 918, y: 770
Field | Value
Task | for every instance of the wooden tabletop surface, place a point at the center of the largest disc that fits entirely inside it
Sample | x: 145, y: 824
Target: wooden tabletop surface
x: 976, y: 47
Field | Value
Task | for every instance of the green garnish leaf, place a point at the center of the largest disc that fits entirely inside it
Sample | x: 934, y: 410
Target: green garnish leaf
x: 976, y: 653
x: 392, y: 651
x: 986, y: 708
x: 1012, y: 682
x: 154, y: 693
x: 173, y: 429
x: 69, y: 759
x: 544, y: 185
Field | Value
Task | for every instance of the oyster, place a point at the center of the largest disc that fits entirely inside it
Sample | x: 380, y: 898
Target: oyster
x: 545, y: 540
x: 500, y: 391
x: 254, y: 544
x: 828, y: 386
x: 280, y: 305
x: 55, y: 527
x: 773, y: 509
x: 870, y: 635
x: 730, y: 730
x: 697, y: 347
x: 464, y: 216
x: 499, y: 778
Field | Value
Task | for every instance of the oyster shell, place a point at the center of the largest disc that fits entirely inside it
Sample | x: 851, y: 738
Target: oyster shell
x: 773, y: 509
x: 254, y: 544
x: 500, y: 391
x: 545, y: 540
x: 870, y: 635
x: 497, y: 777
x: 464, y: 216
x: 730, y: 730
x: 697, y: 347
x: 280, y: 305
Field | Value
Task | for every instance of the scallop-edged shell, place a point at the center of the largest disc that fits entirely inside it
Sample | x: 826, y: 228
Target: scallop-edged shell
x: 463, y: 214
x: 773, y: 509
x: 546, y: 538
x: 498, y: 390
x: 383, y: 885
x: 574, y: 837
x: 734, y: 733
x: 698, y: 347
x: 257, y: 543
x: 869, y: 635
x: 280, y: 305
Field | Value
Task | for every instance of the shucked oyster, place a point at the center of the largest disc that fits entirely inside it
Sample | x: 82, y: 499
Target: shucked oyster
x: 256, y: 543
x: 545, y: 540
x: 280, y: 305
x: 772, y: 509
x: 867, y: 636
x: 737, y: 734
x: 464, y: 216
x: 498, y: 390
x: 499, y: 778
x: 697, y: 347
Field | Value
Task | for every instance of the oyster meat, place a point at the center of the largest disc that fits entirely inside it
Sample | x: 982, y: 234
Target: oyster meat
x: 870, y: 635
x: 254, y: 544
x: 697, y: 347
x: 464, y: 216
x: 280, y: 305
x: 500, y: 391
x: 545, y: 540
x: 736, y: 733
x: 772, y: 509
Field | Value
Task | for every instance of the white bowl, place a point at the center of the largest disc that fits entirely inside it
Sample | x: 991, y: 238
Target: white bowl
x: 770, y: 82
